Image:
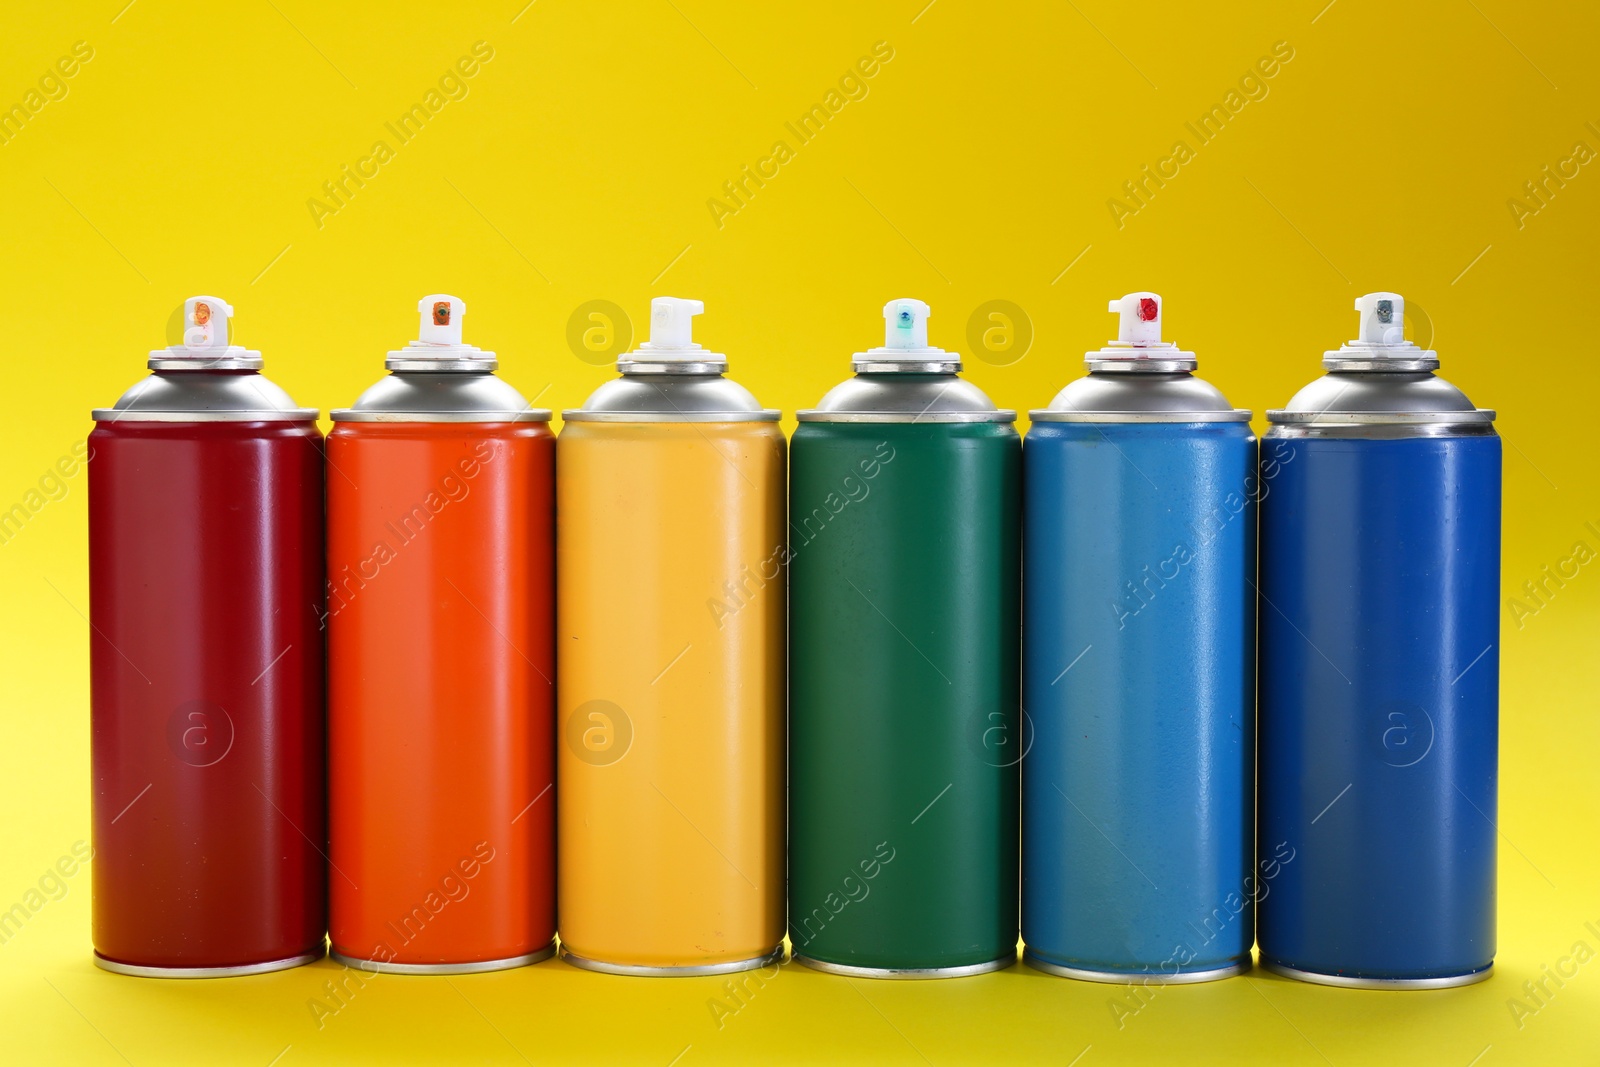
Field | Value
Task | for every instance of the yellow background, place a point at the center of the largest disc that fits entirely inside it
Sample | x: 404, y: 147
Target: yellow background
x: 978, y: 167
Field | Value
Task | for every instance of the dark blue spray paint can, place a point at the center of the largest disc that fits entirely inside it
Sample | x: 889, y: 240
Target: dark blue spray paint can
x: 1380, y: 642
x: 1140, y: 490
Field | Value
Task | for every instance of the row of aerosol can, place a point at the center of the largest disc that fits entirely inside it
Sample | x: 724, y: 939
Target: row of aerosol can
x: 944, y: 689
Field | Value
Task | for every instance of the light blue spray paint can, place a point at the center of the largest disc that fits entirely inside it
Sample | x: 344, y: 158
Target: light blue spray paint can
x: 1140, y: 490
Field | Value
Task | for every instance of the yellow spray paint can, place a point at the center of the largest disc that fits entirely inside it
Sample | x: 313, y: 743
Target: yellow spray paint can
x: 671, y: 666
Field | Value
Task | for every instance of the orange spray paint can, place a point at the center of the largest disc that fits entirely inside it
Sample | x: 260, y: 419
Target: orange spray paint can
x: 671, y: 554
x: 440, y: 620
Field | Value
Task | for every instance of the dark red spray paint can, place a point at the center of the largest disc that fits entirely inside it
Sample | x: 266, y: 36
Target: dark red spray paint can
x: 206, y: 666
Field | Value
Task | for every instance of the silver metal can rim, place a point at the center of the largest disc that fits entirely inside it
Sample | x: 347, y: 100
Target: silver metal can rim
x: 1332, y: 362
x: 1477, y: 417
x: 927, y: 366
x: 272, y: 415
x: 700, y: 970
x: 1380, y: 431
x: 906, y: 416
x: 1354, y: 982
x: 908, y: 973
x: 1088, y: 974
x: 200, y: 363
x: 1050, y: 415
x: 580, y: 415
x: 474, y: 967
x: 166, y: 363
x: 268, y: 967
x: 1098, y: 364
x: 667, y: 366
x: 365, y: 415
x: 442, y: 366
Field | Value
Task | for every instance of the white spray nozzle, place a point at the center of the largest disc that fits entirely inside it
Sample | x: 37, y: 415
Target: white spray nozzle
x: 672, y: 322
x: 1383, y: 318
x: 1139, y: 318
x: 205, y: 322
x: 438, y: 345
x: 441, y: 319
x: 905, y: 324
x: 1382, y: 343
x: 905, y: 340
x: 671, y: 336
x: 1138, y: 345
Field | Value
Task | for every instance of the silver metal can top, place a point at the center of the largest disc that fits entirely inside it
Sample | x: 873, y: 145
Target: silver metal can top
x: 438, y: 348
x: 1381, y: 385
x: 1138, y: 348
x: 439, y: 378
x: 205, y: 378
x: 906, y: 380
x: 441, y: 396
x: 905, y: 348
x: 670, y: 378
x: 1139, y: 377
x: 205, y: 396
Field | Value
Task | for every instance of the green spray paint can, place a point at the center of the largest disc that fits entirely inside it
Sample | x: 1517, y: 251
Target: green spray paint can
x: 905, y: 729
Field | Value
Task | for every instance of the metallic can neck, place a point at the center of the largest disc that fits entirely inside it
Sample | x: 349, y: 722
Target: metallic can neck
x: 878, y: 366
x: 704, y: 367
x: 1141, y: 366
x: 165, y: 363
x: 401, y: 365
x: 202, y: 357
x: 1338, y: 364
x: 1371, y: 357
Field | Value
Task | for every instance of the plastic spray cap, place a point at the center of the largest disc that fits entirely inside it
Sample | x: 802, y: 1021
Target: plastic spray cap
x: 205, y: 322
x: 905, y: 324
x: 672, y: 322
x: 1383, y: 318
x: 441, y: 319
x: 203, y: 339
x: 438, y: 346
x: 1139, y: 318
x: 905, y: 340
x: 672, y: 335
x: 1138, y: 345
x: 1382, y: 343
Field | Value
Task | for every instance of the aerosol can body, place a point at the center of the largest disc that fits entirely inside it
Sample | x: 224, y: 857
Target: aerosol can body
x: 904, y: 727
x: 1380, y: 642
x: 671, y: 550
x: 1139, y: 669
x: 206, y: 666
x: 441, y: 618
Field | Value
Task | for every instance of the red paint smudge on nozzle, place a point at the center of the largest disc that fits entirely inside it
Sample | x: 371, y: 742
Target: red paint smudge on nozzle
x: 1147, y: 309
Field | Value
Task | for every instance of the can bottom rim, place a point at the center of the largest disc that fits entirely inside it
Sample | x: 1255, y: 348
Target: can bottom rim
x: 1348, y: 981
x: 474, y: 967
x: 908, y: 973
x: 138, y: 971
x: 1086, y: 974
x: 695, y: 970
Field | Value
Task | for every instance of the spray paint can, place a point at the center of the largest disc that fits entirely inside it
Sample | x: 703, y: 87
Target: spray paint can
x: 905, y: 616
x: 670, y: 565
x: 206, y: 666
x: 1139, y: 669
x: 1380, y: 573
x: 440, y: 628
